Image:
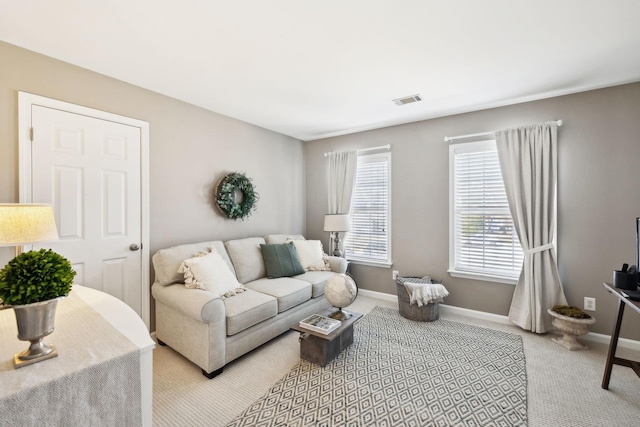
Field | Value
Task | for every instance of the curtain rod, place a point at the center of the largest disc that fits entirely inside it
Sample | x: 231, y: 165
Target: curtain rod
x: 382, y: 147
x: 471, y: 135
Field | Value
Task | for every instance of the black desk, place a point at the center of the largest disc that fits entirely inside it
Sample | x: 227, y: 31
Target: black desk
x: 611, y: 357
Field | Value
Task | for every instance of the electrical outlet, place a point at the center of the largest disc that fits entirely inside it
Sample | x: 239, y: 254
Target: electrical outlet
x: 589, y: 304
x: 395, y: 274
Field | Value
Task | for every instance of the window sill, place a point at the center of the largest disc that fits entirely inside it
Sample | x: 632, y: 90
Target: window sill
x: 484, y: 277
x: 371, y: 263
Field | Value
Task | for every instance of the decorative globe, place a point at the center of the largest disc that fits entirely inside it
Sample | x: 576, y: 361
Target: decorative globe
x: 340, y: 290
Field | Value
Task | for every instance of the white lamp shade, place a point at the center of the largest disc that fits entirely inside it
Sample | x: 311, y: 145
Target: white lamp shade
x: 337, y: 222
x: 22, y: 224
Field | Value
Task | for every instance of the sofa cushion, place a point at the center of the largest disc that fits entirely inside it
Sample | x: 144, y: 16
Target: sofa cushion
x: 275, y: 239
x: 317, y: 280
x: 311, y: 255
x: 281, y: 260
x: 247, y: 309
x: 246, y: 256
x: 210, y: 272
x: 166, y: 262
x: 288, y: 291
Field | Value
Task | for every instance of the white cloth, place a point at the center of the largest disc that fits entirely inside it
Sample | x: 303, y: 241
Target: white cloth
x: 342, y: 180
x: 529, y: 163
x: 425, y: 293
x: 95, y: 380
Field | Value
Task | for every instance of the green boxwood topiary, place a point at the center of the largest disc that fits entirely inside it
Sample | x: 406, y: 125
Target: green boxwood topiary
x: 35, y: 276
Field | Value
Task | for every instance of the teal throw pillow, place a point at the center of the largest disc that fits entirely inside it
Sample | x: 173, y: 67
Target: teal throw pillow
x: 281, y: 260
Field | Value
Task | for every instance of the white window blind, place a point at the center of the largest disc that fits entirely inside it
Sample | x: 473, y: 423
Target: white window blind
x: 370, y: 237
x: 484, y: 239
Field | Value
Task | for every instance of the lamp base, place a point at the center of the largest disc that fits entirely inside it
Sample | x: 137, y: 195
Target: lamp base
x: 336, y: 240
x: 31, y: 355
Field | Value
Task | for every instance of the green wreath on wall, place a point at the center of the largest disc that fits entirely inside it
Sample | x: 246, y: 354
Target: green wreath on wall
x: 235, y: 196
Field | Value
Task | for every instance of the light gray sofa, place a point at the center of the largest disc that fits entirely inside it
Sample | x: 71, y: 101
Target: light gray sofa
x: 211, y: 331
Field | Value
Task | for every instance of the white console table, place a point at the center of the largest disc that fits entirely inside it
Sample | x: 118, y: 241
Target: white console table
x: 97, y: 337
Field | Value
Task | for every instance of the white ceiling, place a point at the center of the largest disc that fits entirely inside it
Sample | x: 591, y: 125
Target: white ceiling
x: 312, y: 69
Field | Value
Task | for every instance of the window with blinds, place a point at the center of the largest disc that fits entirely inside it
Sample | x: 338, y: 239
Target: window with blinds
x: 369, y: 240
x: 484, y: 243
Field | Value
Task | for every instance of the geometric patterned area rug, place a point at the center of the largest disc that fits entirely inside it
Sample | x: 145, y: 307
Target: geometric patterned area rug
x: 400, y: 372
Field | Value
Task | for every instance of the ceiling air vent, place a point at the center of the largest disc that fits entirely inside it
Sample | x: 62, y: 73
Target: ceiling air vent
x: 407, y: 100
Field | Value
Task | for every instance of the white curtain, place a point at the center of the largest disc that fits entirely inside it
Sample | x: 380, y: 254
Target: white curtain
x: 529, y: 162
x: 342, y: 176
x: 342, y: 180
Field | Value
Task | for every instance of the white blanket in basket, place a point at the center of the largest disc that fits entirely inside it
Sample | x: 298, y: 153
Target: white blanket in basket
x: 425, y: 293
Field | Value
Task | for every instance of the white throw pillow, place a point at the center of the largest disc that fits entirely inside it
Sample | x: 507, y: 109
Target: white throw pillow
x: 310, y: 254
x: 210, y: 272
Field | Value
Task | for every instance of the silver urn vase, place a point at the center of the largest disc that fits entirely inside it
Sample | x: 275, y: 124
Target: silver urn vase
x: 35, y: 321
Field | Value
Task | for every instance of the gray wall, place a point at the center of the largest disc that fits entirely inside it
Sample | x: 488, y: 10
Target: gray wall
x: 599, y: 177
x: 190, y: 149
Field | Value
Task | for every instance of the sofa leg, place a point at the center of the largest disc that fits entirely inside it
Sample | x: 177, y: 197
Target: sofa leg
x: 212, y: 374
x: 162, y: 343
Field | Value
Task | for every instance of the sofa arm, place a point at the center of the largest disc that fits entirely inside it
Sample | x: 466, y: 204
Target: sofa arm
x: 197, y: 304
x: 338, y: 264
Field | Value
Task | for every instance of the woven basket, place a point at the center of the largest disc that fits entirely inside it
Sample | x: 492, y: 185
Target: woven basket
x: 426, y: 313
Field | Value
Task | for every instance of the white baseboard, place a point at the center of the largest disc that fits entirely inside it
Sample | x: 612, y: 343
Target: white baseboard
x: 498, y: 318
x: 443, y: 307
x: 482, y: 315
x: 606, y: 339
x: 378, y: 295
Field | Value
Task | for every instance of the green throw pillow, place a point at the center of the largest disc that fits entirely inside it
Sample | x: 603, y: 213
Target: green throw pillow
x: 281, y: 260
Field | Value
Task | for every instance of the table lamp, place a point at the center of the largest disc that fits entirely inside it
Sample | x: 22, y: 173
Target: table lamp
x: 23, y: 224
x: 336, y: 224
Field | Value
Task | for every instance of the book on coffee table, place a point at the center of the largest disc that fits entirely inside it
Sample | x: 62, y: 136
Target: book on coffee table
x: 320, y: 324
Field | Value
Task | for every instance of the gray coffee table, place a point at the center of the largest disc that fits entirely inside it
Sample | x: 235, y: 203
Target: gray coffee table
x: 320, y: 348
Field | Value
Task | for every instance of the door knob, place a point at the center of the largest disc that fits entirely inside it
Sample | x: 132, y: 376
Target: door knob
x: 134, y: 247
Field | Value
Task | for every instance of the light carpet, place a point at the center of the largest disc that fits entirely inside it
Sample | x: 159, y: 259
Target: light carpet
x: 402, y: 373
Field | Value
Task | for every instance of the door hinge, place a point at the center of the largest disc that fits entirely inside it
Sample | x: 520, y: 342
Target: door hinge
x: 31, y: 134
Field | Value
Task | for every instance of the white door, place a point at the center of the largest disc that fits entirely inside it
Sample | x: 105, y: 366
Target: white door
x: 89, y: 169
